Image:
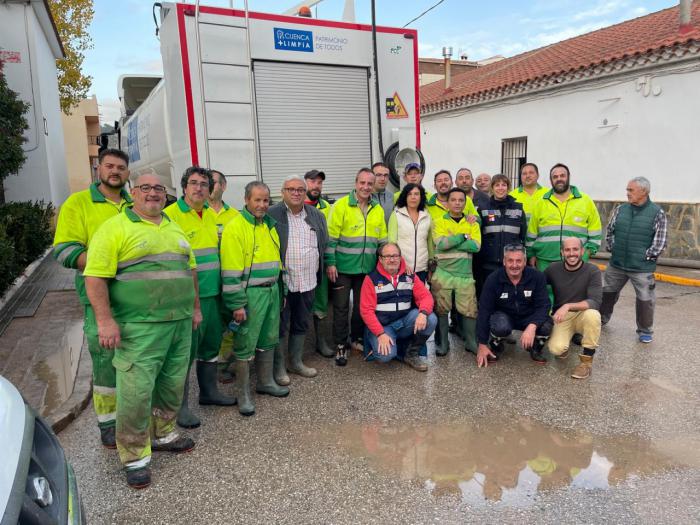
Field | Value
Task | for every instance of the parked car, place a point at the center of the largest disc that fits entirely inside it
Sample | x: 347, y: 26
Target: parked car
x: 37, y: 484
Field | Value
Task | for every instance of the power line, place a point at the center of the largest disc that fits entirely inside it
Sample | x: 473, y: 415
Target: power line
x: 424, y: 12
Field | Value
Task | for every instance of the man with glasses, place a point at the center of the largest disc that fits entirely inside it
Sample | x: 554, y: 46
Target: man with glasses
x: 513, y: 298
x: 387, y: 308
x: 303, y: 237
x: 384, y: 197
x: 193, y: 214
x: 141, y: 280
x: 80, y: 217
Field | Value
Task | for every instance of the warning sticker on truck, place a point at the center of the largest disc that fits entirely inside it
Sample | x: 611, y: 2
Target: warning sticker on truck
x: 395, y: 107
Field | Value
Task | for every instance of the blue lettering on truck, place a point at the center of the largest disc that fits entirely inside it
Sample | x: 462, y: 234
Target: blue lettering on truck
x: 293, y: 40
x: 132, y: 140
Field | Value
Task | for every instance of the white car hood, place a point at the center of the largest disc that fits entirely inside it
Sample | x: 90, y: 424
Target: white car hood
x: 12, y: 423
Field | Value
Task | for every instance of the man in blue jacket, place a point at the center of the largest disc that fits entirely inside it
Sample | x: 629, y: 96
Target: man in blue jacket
x: 513, y: 298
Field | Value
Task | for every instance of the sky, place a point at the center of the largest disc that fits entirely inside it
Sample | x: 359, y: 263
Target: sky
x: 124, y: 38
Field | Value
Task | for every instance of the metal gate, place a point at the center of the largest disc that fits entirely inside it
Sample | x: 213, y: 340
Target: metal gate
x: 513, y: 156
x: 312, y: 116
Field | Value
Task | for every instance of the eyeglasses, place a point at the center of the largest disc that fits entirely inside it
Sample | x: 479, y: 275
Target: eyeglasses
x: 194, y: 183
x: 396, y: 256
x: 298, y: 191
x: 380, y: 174
x: 146, y: 188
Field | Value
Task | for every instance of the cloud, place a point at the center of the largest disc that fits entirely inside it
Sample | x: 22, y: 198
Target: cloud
x: 600, y: 10
x: 109, y: 109
x: 132, y: 65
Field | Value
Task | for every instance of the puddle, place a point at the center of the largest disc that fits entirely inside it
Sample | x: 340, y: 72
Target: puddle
x: 509, y: 461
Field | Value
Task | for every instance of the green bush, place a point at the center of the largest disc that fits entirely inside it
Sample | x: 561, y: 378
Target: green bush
x: 25, y: 233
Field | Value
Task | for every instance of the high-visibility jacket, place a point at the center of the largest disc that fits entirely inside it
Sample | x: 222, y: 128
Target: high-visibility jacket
x: 224, y: 216
x: 201, y: 233
x: 148, y: 266
x: 321, y: 205
x: 437, y: 209
x: 353, y: 237
x: 552, y: 221
x: 453, y: 251
x: 528, y: 201
x: 250, y: 256
x: 80, y: 217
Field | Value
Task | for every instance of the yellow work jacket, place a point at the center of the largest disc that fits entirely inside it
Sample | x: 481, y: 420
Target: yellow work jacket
x: 528, y: 201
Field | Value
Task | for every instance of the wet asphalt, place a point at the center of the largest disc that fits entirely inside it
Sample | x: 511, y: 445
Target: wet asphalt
x: 371, y: 443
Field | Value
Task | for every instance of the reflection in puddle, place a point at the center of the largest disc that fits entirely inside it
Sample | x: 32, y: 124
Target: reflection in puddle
x: 508, y: 462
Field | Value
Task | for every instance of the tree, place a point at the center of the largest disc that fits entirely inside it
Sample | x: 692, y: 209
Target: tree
x: 13, y: 124
x: 72, y: 18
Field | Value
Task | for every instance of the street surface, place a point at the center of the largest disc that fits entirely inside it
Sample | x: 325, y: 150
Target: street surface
x: 384, y: 444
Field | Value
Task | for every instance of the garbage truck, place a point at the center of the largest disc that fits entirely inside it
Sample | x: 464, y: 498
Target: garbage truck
x: 260, y: 96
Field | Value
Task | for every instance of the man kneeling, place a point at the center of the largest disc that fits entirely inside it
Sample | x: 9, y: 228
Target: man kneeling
x: 387, y: 307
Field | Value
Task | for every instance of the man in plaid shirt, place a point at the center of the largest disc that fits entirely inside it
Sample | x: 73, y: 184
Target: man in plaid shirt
x: 636, y: 236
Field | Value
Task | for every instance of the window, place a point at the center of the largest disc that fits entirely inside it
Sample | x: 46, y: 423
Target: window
x: 513, y: 156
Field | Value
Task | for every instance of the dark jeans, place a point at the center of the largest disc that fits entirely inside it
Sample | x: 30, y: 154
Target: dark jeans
x: 297, y: 312
x: 341, y: 289
x: 501, y: 325
x: 481, y: 273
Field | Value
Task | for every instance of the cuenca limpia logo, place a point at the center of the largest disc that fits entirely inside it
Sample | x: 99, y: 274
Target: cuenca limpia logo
x: 293, y: 40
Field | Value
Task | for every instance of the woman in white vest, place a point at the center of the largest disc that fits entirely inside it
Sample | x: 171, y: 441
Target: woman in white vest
x: 409, y: 227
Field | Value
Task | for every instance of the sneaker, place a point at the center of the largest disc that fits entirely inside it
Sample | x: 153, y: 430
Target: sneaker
x: 177, y: 446
x: 564, y: 355
x: 358, y: 346
x: 645, y: 338
x: 108, y: 437
x: 577, y: 339
x: 341, y: 355
x: 138, y: 478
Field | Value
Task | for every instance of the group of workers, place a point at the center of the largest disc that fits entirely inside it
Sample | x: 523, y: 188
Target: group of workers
x: 163, y: 287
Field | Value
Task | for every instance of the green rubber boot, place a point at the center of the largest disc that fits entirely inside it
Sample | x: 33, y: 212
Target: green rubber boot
x: 281, y: 377
x: 208, y: 386
x: 296, y: 353
x: 444, y: 347
x: 246, y: 405
x: 321, y: 343
x: 185, y: 418
x: 264, y: 363
x: 469, y: 331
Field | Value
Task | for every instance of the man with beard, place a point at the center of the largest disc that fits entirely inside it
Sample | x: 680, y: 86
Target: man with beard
x: 314, y: 188
x: 437, y: 202
x: 563, y: 212
x: 529, y: 191
x: 465, y: 181
x: 192, y: 213
x: 141, y: 280
x: 578, y: 292
x: 80, y: 217
x: 383, y: 196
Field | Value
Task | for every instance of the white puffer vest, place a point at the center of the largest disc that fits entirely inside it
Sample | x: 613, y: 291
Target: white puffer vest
x: 413, y: 238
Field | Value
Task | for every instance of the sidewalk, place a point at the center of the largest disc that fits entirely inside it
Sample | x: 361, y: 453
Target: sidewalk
x: 41, y: 343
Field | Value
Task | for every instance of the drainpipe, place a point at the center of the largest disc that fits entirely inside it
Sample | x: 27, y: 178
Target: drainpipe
x: 447, y: 54
x: 684, y: 23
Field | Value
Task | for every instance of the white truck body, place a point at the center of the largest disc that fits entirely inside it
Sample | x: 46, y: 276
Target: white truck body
x: 264, y: 96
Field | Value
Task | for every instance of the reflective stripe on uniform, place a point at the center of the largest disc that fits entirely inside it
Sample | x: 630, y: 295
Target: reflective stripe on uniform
x: 208, y: 266
x: 158, y: 257
x: 502, y: 228
x: 104, y: 390
x: 393, y: 307
x: 138, y: 464
x: 205, y: 251
x: 155, y: 275
x: 104, y: 418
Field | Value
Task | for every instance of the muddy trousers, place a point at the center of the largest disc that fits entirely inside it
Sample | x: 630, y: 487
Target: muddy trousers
x: 261, y: 328
x: 151, y: 364
x: 644, y: 284
x: 104, y: 376
x: 206, y: 340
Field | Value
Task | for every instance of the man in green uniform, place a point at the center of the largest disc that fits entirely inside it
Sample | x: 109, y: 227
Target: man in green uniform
x: 80, y: 217
x: 192, y: 213
x: 141, y: 280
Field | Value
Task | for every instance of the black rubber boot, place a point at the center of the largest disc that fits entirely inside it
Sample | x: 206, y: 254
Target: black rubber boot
x: 246, y: 405
x: 469, y: 331
x: 280, y: 370
x: 322, y: 346
x: 444, y: 347
x: 138, y: 478
x: 185, y: 418
x: 295, y: 348
x: 413, y: 358
x: 177, y: 446
x: 208, y: 386
x: 108, y: 437
x: 264, y: 362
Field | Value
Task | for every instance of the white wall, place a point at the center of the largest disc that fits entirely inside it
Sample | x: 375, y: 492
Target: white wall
x: 43, y: 176
x: 658, y: 136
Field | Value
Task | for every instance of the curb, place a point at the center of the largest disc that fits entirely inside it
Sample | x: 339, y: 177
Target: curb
x: 79, y: 399
x: 28, y: 271
x: 666, y: 278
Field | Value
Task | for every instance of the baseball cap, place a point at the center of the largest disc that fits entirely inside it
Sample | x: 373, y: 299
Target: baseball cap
x: 314, y: 174
x: 412, y: 166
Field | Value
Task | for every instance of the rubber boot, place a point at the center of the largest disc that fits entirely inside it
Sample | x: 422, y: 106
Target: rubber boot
x: 413, y: 358
x: 295, y: 348
x: 444, y: 347
x: 322, y: 346
x: 185, y: 418
x: 537, y: 351
x: 469, y: 331
x: 280, y: 370
x: 264, y: 362
x: 209, y: 386
x: 246, y: 405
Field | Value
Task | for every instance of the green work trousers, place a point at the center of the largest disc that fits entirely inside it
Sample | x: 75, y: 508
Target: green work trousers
x: 320, y: 306
x: 206, y: 340
x: 151, y: 362
x: 261, y: 327
x: 450, y: 290
x: 104, y: 376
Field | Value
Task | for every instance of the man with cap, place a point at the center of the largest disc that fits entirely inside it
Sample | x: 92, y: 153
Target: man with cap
x: 314, y: 188
x: 412, y: 173
x: 383, y: 196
